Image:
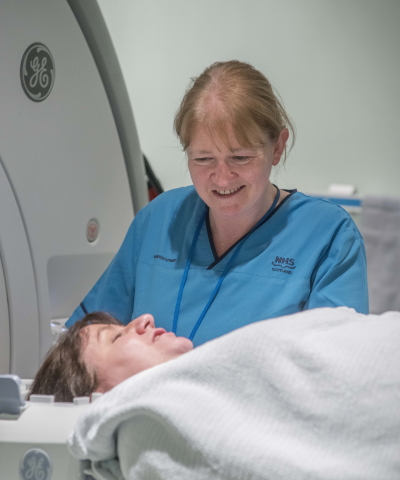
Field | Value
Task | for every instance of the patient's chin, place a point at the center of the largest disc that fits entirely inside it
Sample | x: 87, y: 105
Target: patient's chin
x: 185, y: 344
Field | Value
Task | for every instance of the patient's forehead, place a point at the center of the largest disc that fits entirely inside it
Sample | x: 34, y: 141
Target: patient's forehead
x: 84, y: 334
x: 92, y: 334
x: 92, y: 343
x: 89, y: 333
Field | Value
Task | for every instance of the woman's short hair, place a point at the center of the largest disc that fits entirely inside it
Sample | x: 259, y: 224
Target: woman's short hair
x: 232, y: 94
x: 63, y: 372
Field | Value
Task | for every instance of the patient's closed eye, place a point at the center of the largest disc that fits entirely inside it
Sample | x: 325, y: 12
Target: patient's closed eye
x: 116, y: 336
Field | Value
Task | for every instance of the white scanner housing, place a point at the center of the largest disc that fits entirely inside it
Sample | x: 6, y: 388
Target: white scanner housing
x: 71, y: 178
x: 65, y: 160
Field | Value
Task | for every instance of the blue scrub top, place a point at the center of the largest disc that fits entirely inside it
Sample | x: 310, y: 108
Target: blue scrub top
x: 308, y: 254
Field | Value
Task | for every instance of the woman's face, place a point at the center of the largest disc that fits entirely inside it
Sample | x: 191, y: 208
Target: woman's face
x: 233, y: 181
x: 116, y: 352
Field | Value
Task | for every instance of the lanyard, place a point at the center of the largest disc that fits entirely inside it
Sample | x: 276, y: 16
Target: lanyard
x: 222, y: 277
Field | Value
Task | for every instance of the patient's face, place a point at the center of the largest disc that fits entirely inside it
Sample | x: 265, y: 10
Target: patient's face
x: 117, y: 352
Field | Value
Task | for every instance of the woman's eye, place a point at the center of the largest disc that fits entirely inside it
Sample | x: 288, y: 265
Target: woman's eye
x: 116, y: 336
x: 202, y: 160
x: 241, y: 159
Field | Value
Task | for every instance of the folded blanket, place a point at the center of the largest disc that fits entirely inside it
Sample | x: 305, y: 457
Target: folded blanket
x: 314, y: 395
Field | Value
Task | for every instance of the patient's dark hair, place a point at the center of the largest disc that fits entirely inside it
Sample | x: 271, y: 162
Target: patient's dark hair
x: 63, y: 372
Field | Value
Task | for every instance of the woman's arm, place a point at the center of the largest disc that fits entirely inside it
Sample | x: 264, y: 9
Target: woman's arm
x: 340, y: 277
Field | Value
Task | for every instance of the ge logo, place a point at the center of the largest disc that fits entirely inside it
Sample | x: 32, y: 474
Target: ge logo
x: 35, y: 465
x: 37, y: 72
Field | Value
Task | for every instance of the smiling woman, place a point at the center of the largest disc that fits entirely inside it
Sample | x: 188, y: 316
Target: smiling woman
x: 233, y: 248
x: 234, y: 182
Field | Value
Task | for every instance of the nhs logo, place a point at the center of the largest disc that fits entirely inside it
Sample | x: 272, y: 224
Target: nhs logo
x: 281, y: 264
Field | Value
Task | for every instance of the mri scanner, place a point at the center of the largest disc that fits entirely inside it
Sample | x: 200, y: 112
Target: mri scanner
x: 71, y: 178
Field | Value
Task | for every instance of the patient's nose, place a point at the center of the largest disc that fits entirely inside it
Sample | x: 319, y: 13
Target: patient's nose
x: 141, y: 324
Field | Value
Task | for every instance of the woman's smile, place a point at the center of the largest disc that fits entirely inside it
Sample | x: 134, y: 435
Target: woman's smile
x: 231, y: 179
x: 228, y: 192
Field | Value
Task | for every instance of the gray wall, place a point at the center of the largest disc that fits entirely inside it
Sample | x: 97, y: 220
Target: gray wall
x: 336, y: 64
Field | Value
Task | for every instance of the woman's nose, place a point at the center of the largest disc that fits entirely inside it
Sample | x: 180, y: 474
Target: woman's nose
x: 141, y: 324
x: 222, y: 174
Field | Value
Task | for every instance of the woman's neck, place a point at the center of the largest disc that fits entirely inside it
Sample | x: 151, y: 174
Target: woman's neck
x: 226, y: 233
x: 226, y: 230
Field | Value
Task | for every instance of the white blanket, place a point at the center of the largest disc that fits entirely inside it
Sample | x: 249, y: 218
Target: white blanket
x: 315, y: 395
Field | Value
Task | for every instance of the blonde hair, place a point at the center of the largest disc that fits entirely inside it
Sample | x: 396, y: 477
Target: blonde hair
x: 232, y: 94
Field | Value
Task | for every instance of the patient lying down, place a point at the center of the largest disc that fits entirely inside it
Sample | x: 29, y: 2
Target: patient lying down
x: 314, y: 395
x: 99, y: 352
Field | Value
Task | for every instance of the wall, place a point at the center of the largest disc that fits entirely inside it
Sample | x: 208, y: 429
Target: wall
x: 335, y: 63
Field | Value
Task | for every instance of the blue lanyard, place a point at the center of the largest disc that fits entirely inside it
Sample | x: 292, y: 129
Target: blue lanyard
x: 222, y: 277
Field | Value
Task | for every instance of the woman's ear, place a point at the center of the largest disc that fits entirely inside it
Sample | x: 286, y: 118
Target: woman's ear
x: 279, y: 146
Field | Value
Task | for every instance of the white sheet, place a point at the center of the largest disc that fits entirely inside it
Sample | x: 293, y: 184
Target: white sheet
x: 315, y: 395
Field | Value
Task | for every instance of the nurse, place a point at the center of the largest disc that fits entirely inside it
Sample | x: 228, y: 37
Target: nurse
x: 233, y: 248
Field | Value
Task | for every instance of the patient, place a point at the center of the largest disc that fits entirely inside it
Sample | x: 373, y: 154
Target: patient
x: 308, y: 396
x: 99, y: 352
x: 314, y: 395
